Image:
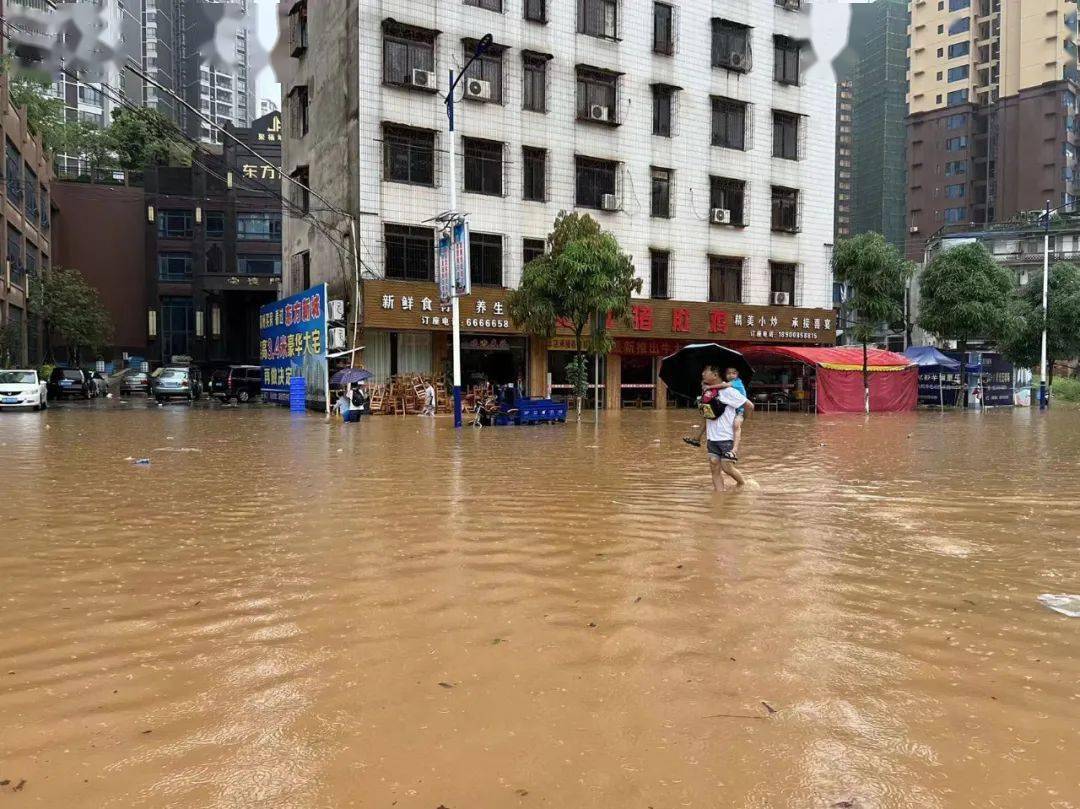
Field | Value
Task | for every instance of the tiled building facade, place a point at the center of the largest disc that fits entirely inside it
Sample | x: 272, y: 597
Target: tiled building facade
x: 25, y: 225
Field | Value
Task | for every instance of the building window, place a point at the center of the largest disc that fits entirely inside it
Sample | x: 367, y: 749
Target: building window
x: 958, y: 49
x: 174, y: 266
x: 663, y: 29
x: 728, y: 123
x: 13, y: 171
x: 957, y: 97
x: 490, y: 5
x: 663, y: 104
x: 44, y: 214
x: 485, y: 259
x: 534, y: 174
x: 955, y: 144
x: 598, y: 18
x: 960, y: 26
x: 536, y: 11
x: 297, y: 28
x: 300, y: 266
x: 661, y: 193
x: 957, y: 121
x: 785, y: 135
x: 597, y: 92
x: 726, y: 194
x: 782, y: 280
x: 214, y: 259
x: 534, y: 91
x: 659, y: 263
x: 787, y: 54
x: 955, y: 215
x: 954, y: 167
x: 259, y: 265
x: 301, y: 196
x: 408, y: 155
x: 410, y: 253
x: 177, y: 327
x: 486, y: 67
x: 298, y: 110
x: 15, y: 257
x: 175, y: 224
x: 31, y: 204
x: 215, y: 224
x: 785, y: 209
x: 955, y: 191
x: 725, y: 279
x: 531, y: 249
x: 960, y: 73
x: 594, y: 179
x: 483, y: 166
x: 730, y: 45
x: 407, y: 49
x: 262, y: 226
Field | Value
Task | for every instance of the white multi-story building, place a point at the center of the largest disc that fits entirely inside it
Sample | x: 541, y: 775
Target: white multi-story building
x: 695, y: 132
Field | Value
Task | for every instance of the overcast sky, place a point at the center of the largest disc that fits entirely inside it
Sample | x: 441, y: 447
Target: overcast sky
x: 265, y: 82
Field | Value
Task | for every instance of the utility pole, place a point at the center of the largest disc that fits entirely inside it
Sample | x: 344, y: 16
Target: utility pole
x: 455, y: 301
x: 1043, y: 393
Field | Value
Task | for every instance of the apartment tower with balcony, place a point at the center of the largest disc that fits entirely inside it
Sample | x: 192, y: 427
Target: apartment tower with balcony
x: 992, y: 112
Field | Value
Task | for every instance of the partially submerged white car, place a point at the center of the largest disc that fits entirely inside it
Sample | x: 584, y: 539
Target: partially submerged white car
x: 22, y: 389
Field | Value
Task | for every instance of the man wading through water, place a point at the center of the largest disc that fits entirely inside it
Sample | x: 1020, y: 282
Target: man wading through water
x: 719, y: 406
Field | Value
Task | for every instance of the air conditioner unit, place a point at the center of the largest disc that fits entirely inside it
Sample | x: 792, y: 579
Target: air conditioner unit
x: 781, y: 299
x: 423, y: 78
x: 792, y: 5
x: 737, y: 60
x: 609, y: 202
x: 336, y: 339
x: 913, y: 229
x: 598, y: 112
x: 478, y: 89
x: 720, y: 216
x: 336, y: 310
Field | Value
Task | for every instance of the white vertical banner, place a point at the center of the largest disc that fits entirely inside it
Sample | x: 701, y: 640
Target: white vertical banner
x: 462, y: 273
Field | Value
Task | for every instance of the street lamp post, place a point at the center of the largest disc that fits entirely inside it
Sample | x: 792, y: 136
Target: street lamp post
x: 1043, y: 393
x: 455, y: 302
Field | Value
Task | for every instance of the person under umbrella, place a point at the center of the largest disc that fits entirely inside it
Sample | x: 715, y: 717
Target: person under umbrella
x: 731, y: 380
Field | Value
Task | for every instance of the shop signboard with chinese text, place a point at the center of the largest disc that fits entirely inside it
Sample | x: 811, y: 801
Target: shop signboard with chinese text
x: 292, y: 342
x: 405, y: 306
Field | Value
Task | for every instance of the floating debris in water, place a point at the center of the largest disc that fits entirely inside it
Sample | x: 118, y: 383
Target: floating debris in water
x: 1068, y: 605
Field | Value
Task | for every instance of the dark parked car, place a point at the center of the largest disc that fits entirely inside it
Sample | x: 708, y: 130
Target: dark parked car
x: 177, y: 383
x: 240, y: 382
x: 133, y: 381
x: 70, y: 382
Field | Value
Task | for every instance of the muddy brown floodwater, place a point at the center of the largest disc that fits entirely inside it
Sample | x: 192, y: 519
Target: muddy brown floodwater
x: 283, y: 613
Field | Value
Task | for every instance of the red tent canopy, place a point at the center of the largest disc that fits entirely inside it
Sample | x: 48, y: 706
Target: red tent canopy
x: 894, y: 379
x: 837, y: 357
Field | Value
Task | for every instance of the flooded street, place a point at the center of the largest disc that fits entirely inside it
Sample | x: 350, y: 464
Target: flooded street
x: 278, y: 612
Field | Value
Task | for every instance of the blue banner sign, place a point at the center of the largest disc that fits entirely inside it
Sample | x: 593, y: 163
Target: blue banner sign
x: 292, y: 342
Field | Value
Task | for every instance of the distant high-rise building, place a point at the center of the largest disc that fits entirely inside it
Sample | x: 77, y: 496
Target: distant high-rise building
x: 267, y: 106
x: 219, y: 91
x: 992, y: 127
x: 844, y: 107
x: 874, y: 71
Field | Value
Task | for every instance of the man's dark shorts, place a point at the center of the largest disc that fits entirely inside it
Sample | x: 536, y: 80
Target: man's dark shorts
x: 718, y: 448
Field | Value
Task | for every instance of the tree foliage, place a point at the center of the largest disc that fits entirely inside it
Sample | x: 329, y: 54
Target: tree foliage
x: 44, y: 113
x: 10, y: 345
x: 876, y: 274
x: 583, y: 277
x: 73, y: 313
x: 1024, y: 345
x: 964, y: 293
x: 144, y: 137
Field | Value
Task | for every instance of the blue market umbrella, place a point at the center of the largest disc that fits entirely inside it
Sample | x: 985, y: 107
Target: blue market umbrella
x: 350, y: 376
x: 681, y: 371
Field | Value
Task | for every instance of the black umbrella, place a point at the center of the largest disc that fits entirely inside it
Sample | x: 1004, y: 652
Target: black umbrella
x: 350, y: 376
x: 681, y: 371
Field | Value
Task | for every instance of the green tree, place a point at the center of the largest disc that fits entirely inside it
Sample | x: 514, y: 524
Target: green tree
x: 10, y: 345
x: 144, y: 137
x: 583, y: 277
x: 72, y: 311
x: 876, y: 274
x: 964, y: 293
x: 1024, y: 345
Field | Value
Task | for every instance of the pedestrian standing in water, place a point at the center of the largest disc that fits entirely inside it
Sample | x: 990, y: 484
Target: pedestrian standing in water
x: 719, y: 405
x: 731, y: 380
x: 429, y: 400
